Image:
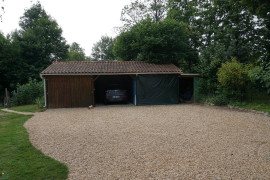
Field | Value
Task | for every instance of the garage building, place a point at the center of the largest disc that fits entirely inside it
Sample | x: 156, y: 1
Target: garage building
x: 81, y: 84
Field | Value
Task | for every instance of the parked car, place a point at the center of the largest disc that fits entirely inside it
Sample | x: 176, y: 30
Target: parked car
x: 116, y: 95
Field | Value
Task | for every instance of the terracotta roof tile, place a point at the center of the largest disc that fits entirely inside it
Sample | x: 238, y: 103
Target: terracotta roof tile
x: 109, y: 67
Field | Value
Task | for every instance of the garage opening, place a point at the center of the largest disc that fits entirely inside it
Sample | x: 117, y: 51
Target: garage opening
x: 186, y: 89
x: 105, y: 83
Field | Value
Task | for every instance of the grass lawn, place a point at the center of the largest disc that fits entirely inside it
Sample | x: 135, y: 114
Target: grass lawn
x: 26, y: 108
x: 18, y: 158
x: 252, y: 105
x: 257, y: 101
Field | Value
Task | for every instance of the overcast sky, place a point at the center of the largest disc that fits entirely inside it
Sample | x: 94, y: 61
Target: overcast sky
x: 82, y: 21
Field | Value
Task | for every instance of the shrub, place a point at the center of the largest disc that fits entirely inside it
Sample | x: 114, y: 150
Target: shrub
x: 233, y: 75
x: 27, y: 93
x: 234, y: 80
x: 40, y: 102
x: 261, y: 76
x: 219, y: 100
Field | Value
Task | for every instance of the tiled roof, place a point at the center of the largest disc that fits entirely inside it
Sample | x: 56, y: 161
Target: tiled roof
x: 109, y: 67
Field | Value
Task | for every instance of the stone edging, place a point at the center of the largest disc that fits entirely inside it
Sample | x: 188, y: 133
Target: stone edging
x: 248, y: 110
x: 237, y: 108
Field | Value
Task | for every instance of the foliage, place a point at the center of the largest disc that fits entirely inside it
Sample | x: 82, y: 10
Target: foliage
x: 103, y: 49
x: 140, y: 10
x: 261, y: 76
x: 26, y: 52
x: 11, y: 67
x: 27, y: 93
x: 229, y: 84
x: 210, y: 61
x: 19, y: 159
x: 233, y: 75
x: 218, y: 100
x: 164, y: 42
x: 186, y: 12
x: 40, y: 40
x: 75, y: 53
x: 182, y: 10
x: 219, y: 30
x: 227, y: 23
x: 133, y: 13
x: 261, y: 9
x: 256, y: 99
x: 40, y: 102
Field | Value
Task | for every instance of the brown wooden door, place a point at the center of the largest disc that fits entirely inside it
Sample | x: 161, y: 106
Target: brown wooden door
x: 69, y: 91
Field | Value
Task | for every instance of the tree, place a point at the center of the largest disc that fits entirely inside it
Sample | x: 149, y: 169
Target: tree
x: 133, y: 13
x: 40, y: 39
x: 12, y: 68
x: 261, y: 9
x: 163, y: 42
x: 226, y: 23
x: 186, y: 12
x: 75, y: 53
x: 218, y: 29
x: 103, y: 49
x: 157, y: 9
x: 210, y: 61
x: 140, y: 10
x: 183, y: 10
x: 261, y: 77
x: 243, y: 38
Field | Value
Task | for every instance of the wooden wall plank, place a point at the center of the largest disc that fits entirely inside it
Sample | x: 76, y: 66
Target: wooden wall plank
x: 69, y: 91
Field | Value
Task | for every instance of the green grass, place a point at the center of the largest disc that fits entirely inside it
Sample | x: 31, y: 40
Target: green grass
x: 252, y: 105
x: 256, y: 100
x: 18, y: 158
x: 26, y: 108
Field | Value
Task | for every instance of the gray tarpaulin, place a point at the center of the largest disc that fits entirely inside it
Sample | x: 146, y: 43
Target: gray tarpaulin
x: 157, y: 89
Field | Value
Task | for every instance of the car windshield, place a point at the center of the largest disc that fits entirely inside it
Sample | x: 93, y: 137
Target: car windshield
x: 114, y: 87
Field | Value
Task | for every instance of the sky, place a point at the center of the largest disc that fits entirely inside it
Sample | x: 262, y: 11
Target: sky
x: 82, y: 21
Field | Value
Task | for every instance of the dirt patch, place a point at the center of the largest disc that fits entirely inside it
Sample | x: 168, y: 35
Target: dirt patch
x: 18, y: 112
x: 155, y: 142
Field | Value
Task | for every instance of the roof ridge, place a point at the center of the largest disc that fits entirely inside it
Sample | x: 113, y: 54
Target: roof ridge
x: 78, y: 62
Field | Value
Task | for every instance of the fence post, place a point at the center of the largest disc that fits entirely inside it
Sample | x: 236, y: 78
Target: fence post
x: 6, y: 99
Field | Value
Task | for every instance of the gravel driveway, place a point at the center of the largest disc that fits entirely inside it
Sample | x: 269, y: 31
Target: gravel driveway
x: 155, y: 142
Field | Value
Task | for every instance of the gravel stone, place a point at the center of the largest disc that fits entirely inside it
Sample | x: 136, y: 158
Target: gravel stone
x: 155, y: 142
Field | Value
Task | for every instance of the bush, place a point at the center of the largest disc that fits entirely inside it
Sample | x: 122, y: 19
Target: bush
x: 233, y: 75
x: 40, y: 102
x: 261, y: 77
x: 27, y: 93
x: 219, y: 100
x: 234, y: 80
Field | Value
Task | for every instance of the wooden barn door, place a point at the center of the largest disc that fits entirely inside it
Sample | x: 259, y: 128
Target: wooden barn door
x: 69, y: 91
